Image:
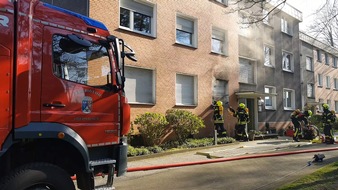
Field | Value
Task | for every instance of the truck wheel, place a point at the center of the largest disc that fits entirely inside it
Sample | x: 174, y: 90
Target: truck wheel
x: 37, y: 176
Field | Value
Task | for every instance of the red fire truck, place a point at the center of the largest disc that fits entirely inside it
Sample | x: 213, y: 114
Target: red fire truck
x: 63, y: 111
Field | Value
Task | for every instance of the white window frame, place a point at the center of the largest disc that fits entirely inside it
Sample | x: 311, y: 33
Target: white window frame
x: 320, y: 106
x: 309, y: 63
x: 320, y: 79
x: 310, y: 90
x: 219, y: 36
x: 328, y: 82
x: 245, y: 77
x: 271, y: 90
x: 266, y: 17
x: 336, y: 106
x: 186, y: 90
x: 187, y: 25
x: 286, y: 26
x: 285, y: 61
x: 288, y: 94
x: 142, y: 7
x: 139, y: 77
x: 335, y: 83
x: 269, y: 61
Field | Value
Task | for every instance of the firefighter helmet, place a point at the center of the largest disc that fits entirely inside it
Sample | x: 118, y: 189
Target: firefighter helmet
x: 309, y: 113
x: 219, y: 103
x: 241, y: 105
x: 326, y: 106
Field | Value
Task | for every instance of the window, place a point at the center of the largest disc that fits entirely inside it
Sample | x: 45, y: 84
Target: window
x: 89, y: 66
x: 310, y: 90
x: 270, y: 99
x: 285, y: 26
x: 268, y: 56
x: 140, y: 85
x: 321, y: 101
x: 186, y: 89
x: 218, y: 41
x: 246, y: 74
x: 309, y: 63
x: 327, y: 59
x: 185, y: 31
x: 287, y: 61
x: 336, y: 84
x: 289, y: 99
x: 245, y: 28
x: 336, y: 106
x: 220, y: 91
x: 319, y: 55
x: 328, y: 82
x: 334, y: 62
x: 137, y: 17
x: 320, y: 79
x: 266, y: 17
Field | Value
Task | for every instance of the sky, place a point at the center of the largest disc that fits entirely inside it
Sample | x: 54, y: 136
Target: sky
x: 307, y: 9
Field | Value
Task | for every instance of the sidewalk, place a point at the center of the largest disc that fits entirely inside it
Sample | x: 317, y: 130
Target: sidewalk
x: 237, y: 149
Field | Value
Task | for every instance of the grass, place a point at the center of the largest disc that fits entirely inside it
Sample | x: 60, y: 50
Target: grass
x: 323, y: 179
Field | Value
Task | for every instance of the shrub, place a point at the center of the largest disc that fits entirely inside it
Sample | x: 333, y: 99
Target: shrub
x: 153, y: 127
x: 184, y: 123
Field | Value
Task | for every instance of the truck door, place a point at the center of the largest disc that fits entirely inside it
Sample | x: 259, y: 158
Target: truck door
x: 6, y: 53
x: 75, y: 89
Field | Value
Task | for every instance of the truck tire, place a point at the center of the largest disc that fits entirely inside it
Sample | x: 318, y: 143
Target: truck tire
x: 37, y: 176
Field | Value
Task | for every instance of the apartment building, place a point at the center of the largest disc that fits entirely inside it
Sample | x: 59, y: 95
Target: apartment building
x: 320, y: 74
x: 187, y: 55
x: 270, y: 67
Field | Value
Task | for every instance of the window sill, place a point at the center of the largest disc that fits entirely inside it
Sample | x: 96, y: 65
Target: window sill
x: 185, y: 45
x: 141, y: 104
x: 320, y: 86
x: 288, y: 109
x: 310, y: 70
x: 288, y: 71
x: 251, y: 84
x: 290, y: 35
x: 270, y: 109
x: 137, y: 32
x: 184, y: 105
x: 219, y: 53
x: 271, y: 66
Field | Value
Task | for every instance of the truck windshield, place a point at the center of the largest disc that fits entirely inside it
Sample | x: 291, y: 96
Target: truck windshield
x: 88, y: 65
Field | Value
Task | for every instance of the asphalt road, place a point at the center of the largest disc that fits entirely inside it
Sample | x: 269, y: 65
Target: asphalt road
x: 267, y: 173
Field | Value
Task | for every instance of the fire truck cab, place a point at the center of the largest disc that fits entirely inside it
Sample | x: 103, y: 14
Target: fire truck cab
x: 63, y: 110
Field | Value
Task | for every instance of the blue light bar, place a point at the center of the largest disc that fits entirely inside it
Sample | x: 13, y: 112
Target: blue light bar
x: 86, y: 19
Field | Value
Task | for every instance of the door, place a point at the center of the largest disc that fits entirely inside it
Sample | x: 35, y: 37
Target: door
x: 74, y: 86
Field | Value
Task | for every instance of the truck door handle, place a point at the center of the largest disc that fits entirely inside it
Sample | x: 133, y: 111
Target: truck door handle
x: 54, y: 105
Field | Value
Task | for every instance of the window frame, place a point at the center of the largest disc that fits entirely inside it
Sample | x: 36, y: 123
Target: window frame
x: 137, y: 93
x: 273, y: 105
x: 328, y: 82
x: 311, y: 63
x: 193, y: 33
x: 291, y: 61
x: 319, y: 55
x: 136, y: 7
x: 312, y: 95
x: 222, y: 35
x: 286, y: 27
x: 320, y: 79
x: 272, y: 56
x: 193, y: 102
x: 292, y: 93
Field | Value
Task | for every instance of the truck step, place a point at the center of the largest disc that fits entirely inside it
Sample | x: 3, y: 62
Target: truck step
x: 106, y: 161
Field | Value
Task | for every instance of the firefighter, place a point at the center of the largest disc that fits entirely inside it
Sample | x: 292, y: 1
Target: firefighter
x: 295, y: 119
x: 218, y: 118
x: 242, y: 114
x: 308, y: 131
x: 328, y: 118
